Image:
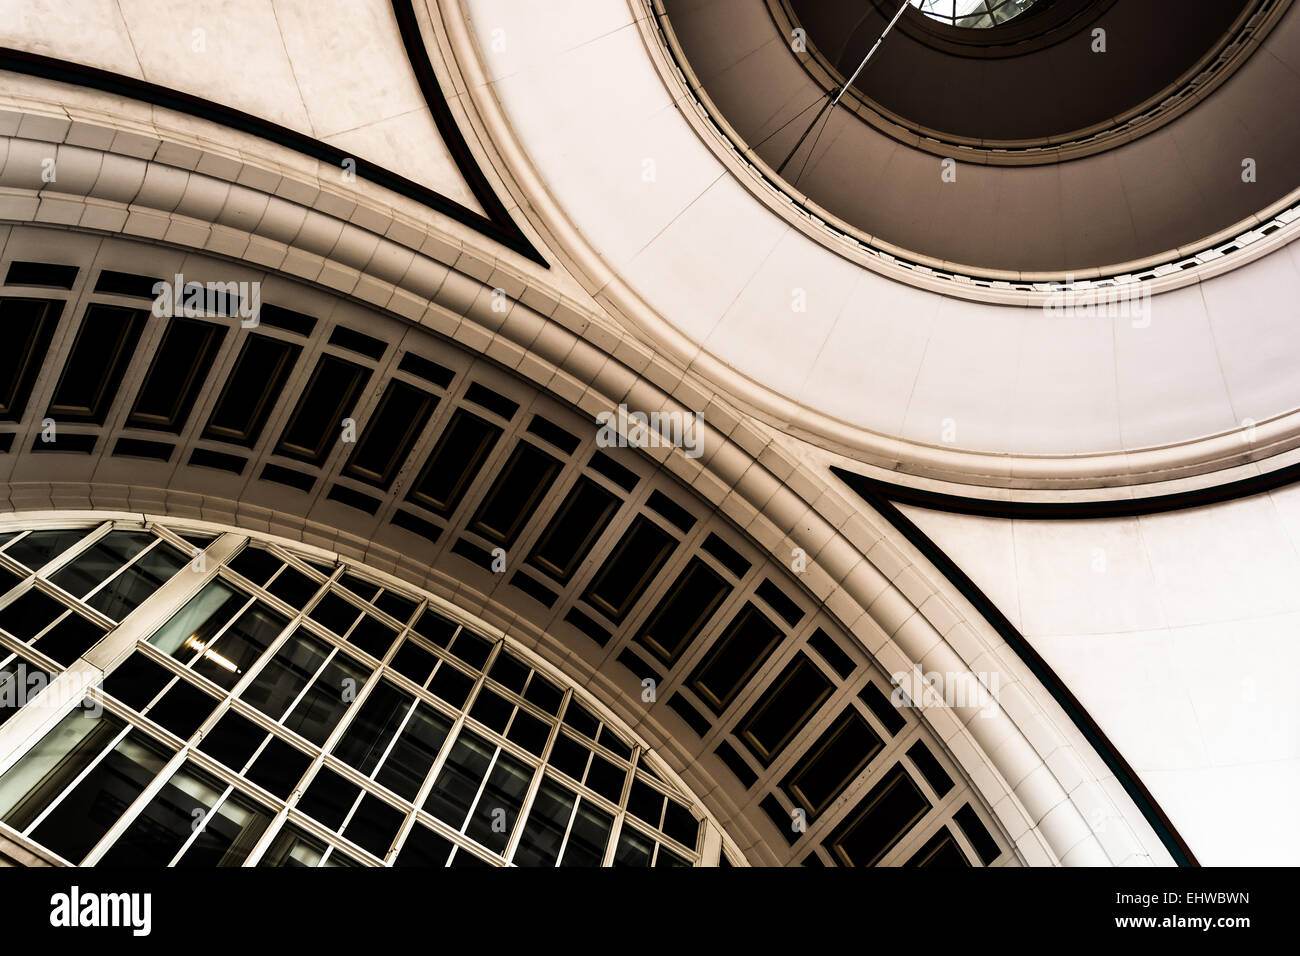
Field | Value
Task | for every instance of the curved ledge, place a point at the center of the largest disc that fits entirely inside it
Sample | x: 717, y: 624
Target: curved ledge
x: 1209, y: 71
x: 1188, y: 262
x: 874, y: 489
x: 497, y: 226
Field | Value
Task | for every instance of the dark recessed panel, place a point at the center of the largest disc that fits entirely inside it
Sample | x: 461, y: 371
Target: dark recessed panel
x: 492, y: 401
x: 694, y: 719
x: 587, y: 626
x: 251, y: 390
x: 736, y: 764
x: 580, y: 520
x: 940, y: 851
x: 100, y: 354
x: 425, y: 529
x: 930, y: 768
x: 388, y: 436
x: 139, y: 448
x: 735, y: 657
x: 358, y: 342
x: 285, y: 319
x: 533, y: 588
x: 639, y: 668
x: 473, y: 553
x: 206, y: 458
x: 832, y: 763
x: 179, y: 368
x: 126, y: 283
x: 603, y: 464
x: 513, y: 498
x: 831, y: 652
x: 28, y: 325
x: 883, y: 707
x: 65, y: 441
x: 779, y: 601
x: 287, y: 476
x: 978, y: 834
x: 353, y: 499
x: 423, y: 368
x: 671, y: 510
x: 683, y: 612
x: 785, y: 707
x: 548, y: 431
x: 880, y: 820
x: 631, y: 567
x: 783, y: 821
x: 317, y: 420
x: 455, y: 461
x: 727, y: 556
x: 41, y: 273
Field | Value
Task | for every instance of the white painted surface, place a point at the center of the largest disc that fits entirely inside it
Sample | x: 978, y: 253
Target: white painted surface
x: 334, y: 70
x: 1180, y: 634
x: 588, y: 106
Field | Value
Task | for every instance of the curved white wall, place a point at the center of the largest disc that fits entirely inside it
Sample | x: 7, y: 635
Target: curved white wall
x: 334, y: 70
x: 586, y: 102
x: 1180, y: 634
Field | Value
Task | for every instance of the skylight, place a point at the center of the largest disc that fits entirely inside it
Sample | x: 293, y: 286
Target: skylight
x: 972, y: 14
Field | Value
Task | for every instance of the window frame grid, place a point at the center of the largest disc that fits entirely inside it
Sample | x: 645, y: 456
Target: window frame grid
x: 284, y: 811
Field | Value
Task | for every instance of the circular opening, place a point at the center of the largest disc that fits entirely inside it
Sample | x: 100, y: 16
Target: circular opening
x: 972, y: 14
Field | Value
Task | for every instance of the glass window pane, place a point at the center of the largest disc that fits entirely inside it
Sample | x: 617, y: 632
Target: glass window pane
x: 329, y: 798
x: 588, y: 836
x: 101, y: 559
x: 229, y: 835
x: 129, y: 589
x: 293, y: 847
x: 423, y: 847
x: 416, y: 749
x: 457, y: 784
x: 372, y: 729
x: 339, y: 858
x: 634, y: 849
x: 285, y: 675
x: 497, y: 810
x: 70, y: 638
x: 169, y: 819
x: 29, y: 614
x: 667, y: 857
x: 191, y: 628
x: 41, y: 547
x: 547, y: 821
x: 45, y: 771
x: 229, y: 657
x: 19, y: 683
x: 321, y: 708
x: 82, y: 817
x: 374, y: 826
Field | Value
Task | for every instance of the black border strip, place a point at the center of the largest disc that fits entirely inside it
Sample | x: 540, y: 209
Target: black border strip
x: 878, y: 494
x: 1070, y: 510
x: 418, y: 56
x: 497, y: 225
